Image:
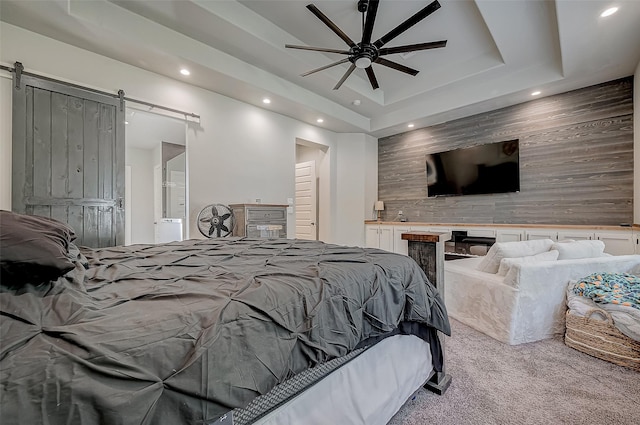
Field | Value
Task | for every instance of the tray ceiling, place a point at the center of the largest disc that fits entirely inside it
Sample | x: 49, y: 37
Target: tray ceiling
x: 498, y: 52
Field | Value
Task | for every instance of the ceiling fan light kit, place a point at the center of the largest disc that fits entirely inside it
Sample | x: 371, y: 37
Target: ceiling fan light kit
x: 362, y: 55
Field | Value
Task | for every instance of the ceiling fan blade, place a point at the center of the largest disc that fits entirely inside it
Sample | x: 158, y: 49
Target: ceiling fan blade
x: 324, y: 67
x: 331, y: 25
x: 412, y: 47
x: 372, y: 77
x: 372, y: 9
x: 419, y: 16
x: 397, y: 66
x: 317, y: 49
x: 345, y: 76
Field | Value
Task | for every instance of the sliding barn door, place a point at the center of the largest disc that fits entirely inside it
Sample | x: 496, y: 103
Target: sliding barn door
x: 68, y: 159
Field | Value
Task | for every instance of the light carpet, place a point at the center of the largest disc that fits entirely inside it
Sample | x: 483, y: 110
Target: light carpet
x: 543, y: 382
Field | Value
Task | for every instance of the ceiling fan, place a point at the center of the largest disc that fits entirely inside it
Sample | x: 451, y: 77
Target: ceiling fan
x: 362, y: 55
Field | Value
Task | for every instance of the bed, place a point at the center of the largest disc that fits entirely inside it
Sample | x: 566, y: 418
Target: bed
x: 231, y: 330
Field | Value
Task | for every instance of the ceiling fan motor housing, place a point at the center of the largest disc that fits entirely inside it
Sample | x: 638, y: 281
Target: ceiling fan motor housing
x: 362, y: 5
x: 362, y: 56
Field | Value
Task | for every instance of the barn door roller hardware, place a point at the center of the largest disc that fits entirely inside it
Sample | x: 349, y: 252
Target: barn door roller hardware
x: 18, y: 71
x: 17, y: 74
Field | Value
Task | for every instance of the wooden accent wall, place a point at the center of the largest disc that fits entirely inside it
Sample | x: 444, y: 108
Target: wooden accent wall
x: 576, y: 162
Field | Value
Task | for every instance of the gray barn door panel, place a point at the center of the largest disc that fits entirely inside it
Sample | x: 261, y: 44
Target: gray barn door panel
x: 68, y: 159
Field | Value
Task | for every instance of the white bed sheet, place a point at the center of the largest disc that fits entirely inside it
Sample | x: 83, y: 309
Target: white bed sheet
x: 368, y: 390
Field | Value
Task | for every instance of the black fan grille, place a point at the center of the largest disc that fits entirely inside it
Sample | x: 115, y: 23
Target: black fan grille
x: 216, y: 221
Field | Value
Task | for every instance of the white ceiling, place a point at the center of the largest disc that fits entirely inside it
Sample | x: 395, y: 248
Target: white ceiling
x: 498, y: 51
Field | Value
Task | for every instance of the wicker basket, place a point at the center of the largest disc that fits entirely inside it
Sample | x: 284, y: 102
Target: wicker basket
x: 602, y: 339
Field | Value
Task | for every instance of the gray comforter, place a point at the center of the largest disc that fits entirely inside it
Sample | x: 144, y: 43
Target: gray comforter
x: 183, y: 332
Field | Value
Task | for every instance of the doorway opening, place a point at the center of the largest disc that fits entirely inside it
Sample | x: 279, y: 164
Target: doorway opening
x: 156, y: 178
x: 312, y: 190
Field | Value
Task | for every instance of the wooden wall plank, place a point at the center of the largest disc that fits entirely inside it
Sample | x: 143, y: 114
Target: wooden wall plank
x: 28, y: 181
x: 576, y: 162
x: 59, y: 154
x: 20, y: 99
x: 106, y: 136
x: 90, y: 181
x: 41, y: 147
x: 75, y: 148
x: 75, y: 172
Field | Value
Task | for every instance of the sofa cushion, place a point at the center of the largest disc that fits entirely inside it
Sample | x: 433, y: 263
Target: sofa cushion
x: 507, y: 263
x: 491, y: 262
x: 573, y: 250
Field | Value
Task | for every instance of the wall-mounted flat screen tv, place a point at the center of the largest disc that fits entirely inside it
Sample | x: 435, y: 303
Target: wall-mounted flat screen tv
x: 489, y: 168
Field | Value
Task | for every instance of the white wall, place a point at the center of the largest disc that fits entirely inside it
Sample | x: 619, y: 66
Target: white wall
x: 306, y: 153
x: 141, y: 162
x: 371, y: 176
x: 355, y: 174
x: 238, y: 152
x: 636, y: 145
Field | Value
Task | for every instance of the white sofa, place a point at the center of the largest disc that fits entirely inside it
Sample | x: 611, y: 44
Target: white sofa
x: 529, y: 302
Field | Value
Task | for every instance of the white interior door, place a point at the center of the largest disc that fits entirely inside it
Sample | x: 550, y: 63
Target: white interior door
x: 306, y: 201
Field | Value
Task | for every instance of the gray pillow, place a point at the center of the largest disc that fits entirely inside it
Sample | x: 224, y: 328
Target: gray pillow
x: 33, y: 249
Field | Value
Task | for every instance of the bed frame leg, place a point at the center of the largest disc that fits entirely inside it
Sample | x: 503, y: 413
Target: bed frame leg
x: 438, y: 383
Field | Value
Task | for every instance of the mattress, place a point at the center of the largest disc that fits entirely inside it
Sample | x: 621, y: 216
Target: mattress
x: 185, y: 332
x: 625, y: 319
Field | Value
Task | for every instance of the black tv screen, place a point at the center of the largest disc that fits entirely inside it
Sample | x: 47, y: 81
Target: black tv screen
x: 490, y: 168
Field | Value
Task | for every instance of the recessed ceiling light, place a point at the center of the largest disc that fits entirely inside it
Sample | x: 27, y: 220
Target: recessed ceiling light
x: 410, y: 125
x: 535, y: 93
x: 320, y: 120
x: 266, y: 100
x: 356, y: 102
x: 185, y: 71
x: 126, y: 122
x: 609, y: 12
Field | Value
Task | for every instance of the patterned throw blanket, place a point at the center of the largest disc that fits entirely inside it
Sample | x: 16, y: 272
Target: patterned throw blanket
x: 615, y: 288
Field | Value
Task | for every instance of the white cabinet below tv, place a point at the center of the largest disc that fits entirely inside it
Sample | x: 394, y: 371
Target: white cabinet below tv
x: 510, y: 235
x: 618, y: 241
x: 615, y: 242
x: 379, y: 236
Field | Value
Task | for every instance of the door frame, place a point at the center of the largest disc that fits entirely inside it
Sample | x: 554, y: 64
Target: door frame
x: 325, y: 187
